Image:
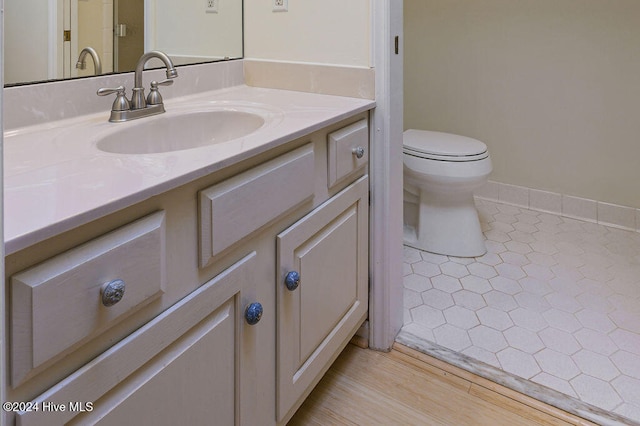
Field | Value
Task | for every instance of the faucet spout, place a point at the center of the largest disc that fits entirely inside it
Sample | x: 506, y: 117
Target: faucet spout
x: 81, y: 64
x: 138, y: 100
x: 171, y: 69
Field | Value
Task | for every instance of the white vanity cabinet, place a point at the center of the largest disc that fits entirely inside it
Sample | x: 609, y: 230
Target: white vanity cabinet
x: 207, y: 331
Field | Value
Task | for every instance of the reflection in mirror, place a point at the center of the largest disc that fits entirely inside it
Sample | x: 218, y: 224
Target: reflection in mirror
x: 43, y: 39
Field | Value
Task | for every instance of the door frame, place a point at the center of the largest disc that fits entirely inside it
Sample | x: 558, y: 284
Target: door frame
x: 385, y: 258
x: 63, y: 15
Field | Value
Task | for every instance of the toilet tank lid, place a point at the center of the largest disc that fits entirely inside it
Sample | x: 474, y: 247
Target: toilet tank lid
x: 439, y: 143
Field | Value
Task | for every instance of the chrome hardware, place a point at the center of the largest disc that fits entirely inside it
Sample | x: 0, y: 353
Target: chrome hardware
x: 121, y: 103
x: 358, y: 152
x: 138, y: 107
x: 120, y: 30
x: 112, y: 292
x: 154, y: 97
x: 107, y: 91
x: 253, y: 313
x: 81, y: 64
x: 292, y: 280
x: 138, y: 100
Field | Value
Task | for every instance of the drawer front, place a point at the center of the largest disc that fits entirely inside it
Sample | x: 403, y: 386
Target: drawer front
x: 59, y: 302
x: 195, y: 359
x: 236, y: 207
x: 348, y: 151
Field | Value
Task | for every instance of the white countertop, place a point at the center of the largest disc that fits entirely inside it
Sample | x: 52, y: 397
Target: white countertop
x: 55, y: 178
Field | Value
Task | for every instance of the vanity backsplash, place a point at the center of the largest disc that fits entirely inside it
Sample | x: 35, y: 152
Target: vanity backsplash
x: 58, y: 100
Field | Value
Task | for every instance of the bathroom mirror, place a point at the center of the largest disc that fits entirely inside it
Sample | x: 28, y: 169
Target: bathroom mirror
x: 43, y: 39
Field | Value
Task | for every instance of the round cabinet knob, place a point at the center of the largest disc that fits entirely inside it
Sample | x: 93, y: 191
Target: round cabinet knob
x: 292, y: 280
x: 253, y: 313
x: 112, y: 292
x: 358, y: 152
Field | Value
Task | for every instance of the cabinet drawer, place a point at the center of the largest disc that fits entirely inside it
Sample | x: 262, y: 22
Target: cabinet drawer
x: 348, y: 151
x: 191, y: 365
x: 58, y: 303
x: 236, y: 207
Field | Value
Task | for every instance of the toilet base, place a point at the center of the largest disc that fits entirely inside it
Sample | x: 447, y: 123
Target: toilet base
x: 446, y: 225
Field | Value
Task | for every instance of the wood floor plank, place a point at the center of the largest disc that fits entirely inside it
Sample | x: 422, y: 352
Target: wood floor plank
x: 366, y: 387
x: 512, y: 405
x: 418, y: 392
x: 489, y: 395
x: 367, y: 394
x: 447, y: 377
x: 495, y: 387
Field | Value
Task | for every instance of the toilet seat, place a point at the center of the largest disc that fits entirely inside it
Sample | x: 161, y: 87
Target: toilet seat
x: 442, y: 146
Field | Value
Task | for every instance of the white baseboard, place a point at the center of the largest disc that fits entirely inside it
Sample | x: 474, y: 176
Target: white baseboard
x: 616, y: 216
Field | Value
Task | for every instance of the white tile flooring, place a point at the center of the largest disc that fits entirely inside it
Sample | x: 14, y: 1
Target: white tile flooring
x: 555, y: 301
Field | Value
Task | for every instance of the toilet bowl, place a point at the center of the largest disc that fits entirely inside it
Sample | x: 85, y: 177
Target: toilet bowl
x: 441, y: 171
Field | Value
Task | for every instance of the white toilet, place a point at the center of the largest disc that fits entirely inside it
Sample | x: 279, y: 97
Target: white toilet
x: 441, y: 171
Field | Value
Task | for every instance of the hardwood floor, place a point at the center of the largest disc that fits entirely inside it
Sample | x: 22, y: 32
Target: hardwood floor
x: 405, y: 387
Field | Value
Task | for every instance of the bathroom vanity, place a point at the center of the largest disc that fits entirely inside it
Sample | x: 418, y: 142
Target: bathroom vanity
x: 209, y: 285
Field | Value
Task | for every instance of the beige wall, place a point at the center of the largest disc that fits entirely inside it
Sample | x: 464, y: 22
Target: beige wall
x: 95, y: 29
x: 326, y: 32
x: 182, y: 28
x: 552, y: 87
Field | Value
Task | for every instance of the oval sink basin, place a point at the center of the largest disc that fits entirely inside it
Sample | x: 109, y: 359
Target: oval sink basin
x: 175, y: 132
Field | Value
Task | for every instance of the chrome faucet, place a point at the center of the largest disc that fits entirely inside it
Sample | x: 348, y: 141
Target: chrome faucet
x: 137, y: 100
x: 82, y: 64
x: 139, y: 106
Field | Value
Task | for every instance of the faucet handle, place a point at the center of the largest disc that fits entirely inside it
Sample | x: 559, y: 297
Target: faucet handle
x: 108, y: 91
x: 167, y: 82
x: 154, y: 97
x: 121, y: 103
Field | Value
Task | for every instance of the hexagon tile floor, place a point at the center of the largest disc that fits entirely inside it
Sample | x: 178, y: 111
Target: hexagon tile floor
x: 555, y: 301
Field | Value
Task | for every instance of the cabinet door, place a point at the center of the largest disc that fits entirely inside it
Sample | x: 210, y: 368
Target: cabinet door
x: 329, y: 250
x: 193, y: 364
x: 193, y: 383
